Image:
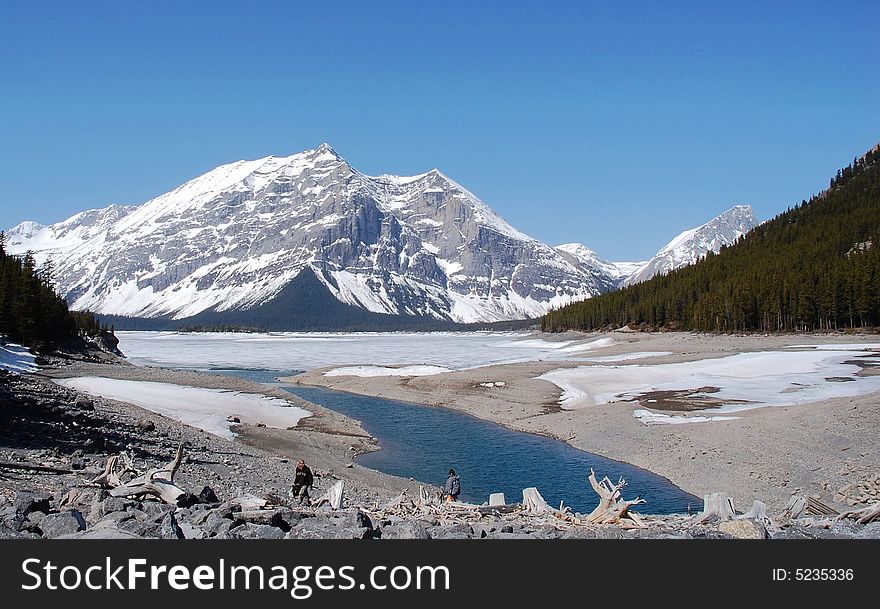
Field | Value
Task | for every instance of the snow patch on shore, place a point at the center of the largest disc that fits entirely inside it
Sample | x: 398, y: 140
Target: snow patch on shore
x: 16, y: 359
x: 656, y: 418
x: 740, y: 382
x: 386, y: 371
x: 205, y: 409
x: 627, y: 356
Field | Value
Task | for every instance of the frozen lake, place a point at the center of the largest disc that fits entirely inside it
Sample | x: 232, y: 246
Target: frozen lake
x: 307, y: 351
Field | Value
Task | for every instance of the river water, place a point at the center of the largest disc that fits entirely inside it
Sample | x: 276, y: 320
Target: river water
x: 423, y: 443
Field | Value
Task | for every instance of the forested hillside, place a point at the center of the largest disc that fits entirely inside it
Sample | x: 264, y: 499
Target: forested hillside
x: 31, y: 312
x: 813, y: 267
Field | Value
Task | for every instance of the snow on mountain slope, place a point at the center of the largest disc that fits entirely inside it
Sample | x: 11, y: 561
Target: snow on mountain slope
x: 692, y: 245
x: 234, y: 237
x: 586, y: 258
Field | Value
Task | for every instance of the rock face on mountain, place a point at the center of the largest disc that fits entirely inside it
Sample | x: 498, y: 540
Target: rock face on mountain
x: 234, y: 238
x: 611, y: 273
x: 694, y: 244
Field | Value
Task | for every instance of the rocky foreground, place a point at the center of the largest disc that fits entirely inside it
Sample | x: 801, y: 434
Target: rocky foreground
x: 54, y: 444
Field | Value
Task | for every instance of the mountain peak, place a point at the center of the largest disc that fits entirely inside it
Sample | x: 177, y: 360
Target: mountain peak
x: 693, y: 244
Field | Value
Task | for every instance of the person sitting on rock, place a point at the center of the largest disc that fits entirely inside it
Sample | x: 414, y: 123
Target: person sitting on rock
x: 302, y: 482
x: 453, y: 486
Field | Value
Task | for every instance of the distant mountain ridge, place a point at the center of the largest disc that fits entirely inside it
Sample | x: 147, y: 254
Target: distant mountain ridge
x: 233, y: 238
x: 228, y: 243
x: 693, y: 245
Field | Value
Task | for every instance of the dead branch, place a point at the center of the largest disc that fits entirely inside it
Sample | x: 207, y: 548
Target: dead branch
x: 44, y: 469
x: 158, y: 482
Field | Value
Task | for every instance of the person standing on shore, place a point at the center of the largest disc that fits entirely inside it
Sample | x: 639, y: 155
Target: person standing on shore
x: 302, y: 482
x: 453, y: 486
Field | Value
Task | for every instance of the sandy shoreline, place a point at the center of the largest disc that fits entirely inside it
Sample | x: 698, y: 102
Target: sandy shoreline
x: 767, y: 453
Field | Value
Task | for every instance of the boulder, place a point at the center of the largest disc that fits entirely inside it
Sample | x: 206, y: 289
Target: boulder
x: 406, y: 530
x: 25, y: 503
x: 63, y: 523
x: 169, y: 529
x: 207, y: 495
x: 325, y: 528
x: 451, y: 531
x: 84, y: 403
x: 256, y: 531
x: 743, y: 529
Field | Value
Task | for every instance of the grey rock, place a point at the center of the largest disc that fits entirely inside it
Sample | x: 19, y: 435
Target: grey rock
x: 256, y: 531
x: 116, y: 504
x: 870, y: 531
x: 146, y: 425
x: 406, y: 530
x: 101, y: 533
x: 32, y: 502
x: 63, y: 523
x: 155, y: 510
x: 169, y: 529
x: 802, y: 532
x: 451, y: 531
x: 140, y: 528
x: 191, y: 532
x: 207, y: 495
x: 216, y: 525
x: 84, y: 403
x: 325, y: 528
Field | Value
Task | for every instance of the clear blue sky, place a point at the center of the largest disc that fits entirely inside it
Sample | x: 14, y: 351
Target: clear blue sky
x: 611, y: 123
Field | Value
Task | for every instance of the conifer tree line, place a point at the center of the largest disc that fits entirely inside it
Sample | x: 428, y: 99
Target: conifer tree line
x: 813, y: 267
x: 31, y: 311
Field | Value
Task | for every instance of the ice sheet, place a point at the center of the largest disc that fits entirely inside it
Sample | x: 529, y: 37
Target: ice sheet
x: 627, y: 356
x: 386, y: 371
x: 206, y: 409
x: 744, y: 381
x: 307, y: 351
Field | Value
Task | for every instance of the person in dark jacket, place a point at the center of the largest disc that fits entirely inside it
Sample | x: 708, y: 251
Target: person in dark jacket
x: 302, y: 482
x: 453, y: 486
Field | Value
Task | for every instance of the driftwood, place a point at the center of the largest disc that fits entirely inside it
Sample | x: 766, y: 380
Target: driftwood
x: 716, y: 505
x: 333, y: 496
x: 612, y: 506
x: 158, y: 482
x: 534, y: 504
x: 863, y: 515
x: 44, y: 469
x: 250, y: 503
x: 758, y: 513
x: 814, y: 506
x: 794, y: 508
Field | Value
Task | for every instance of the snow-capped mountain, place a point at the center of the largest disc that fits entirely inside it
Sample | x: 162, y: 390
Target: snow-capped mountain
x: 692, y: 245
x: 234, y: 238
x: 583, y: 257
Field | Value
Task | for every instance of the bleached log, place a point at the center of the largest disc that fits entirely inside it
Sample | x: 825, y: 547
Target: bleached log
x: 533, y: 502
x: 818, y: 508
x: 108, y: 478
x: 158, y: 482
x: 758, y: 512
x: 863, y: 515
x: 794, y: 508
x: 44, y: 469
x: 333, y: 496
x: 716, y: 505
x: 612, y: 508
x: 249, y: 502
